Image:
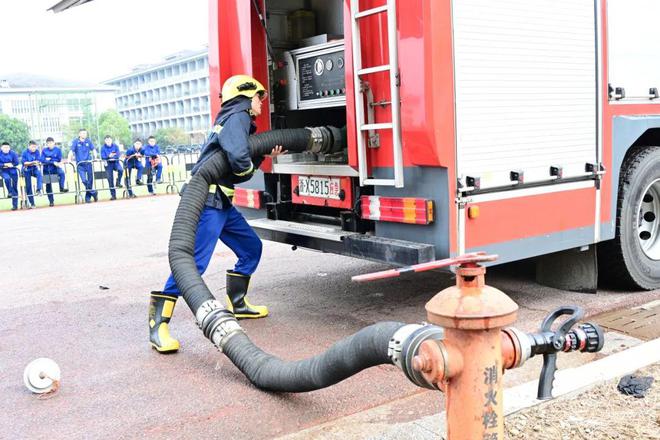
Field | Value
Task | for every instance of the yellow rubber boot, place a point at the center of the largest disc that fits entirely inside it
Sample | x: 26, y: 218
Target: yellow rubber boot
x: 161, y: 307
x: 237, y: 286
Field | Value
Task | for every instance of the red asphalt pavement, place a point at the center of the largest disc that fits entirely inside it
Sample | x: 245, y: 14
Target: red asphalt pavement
x: 54, y: 261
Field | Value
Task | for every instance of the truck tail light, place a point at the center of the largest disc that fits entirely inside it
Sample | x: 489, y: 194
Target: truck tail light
x: 248, y: 198
x: 397, y: 209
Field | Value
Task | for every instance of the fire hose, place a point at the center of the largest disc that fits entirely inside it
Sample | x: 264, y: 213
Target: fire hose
x: 420, y: 351
x: 366, y: 348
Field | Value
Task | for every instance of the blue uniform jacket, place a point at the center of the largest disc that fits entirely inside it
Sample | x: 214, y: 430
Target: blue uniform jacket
x: 10, y: 157
x: 82, y: 149
x: 150, y: 151
x: 49, y: 156
x: 105, y: 152
x: 29, y: 156
x: 231, y: 131
x: 130, y: 152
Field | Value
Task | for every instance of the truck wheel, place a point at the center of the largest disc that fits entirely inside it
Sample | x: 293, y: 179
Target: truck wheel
x: 632, y: 259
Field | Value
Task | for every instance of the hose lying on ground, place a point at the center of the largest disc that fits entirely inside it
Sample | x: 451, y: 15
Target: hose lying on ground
x: 364, y: 349
x: 373, y: 345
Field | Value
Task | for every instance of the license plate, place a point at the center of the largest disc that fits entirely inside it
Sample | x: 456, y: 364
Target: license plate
x: 322, y: 187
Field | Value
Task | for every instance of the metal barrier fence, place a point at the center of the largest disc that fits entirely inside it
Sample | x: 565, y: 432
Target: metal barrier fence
x: 108, y: 181
x: 152, y: 175
x: 177, y: 169
x: 168, y: 180
x: 48, y: 179
x: 182, y: 165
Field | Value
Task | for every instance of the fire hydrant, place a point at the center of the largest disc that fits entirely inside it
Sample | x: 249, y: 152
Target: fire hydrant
x: 468, y: 364
x: 466, y: 350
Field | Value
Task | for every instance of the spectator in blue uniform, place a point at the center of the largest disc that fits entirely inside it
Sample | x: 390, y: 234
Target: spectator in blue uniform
x: 111, y: 154
x: 133, y: 159
x: 51, y: 160
x: 152, y: 153
x: 9, y: 171
x: 241, y: 102
x: 31, y: 159
x: 83, y: 150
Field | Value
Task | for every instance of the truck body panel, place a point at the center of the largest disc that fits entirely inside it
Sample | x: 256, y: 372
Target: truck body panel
x: 505, y: 107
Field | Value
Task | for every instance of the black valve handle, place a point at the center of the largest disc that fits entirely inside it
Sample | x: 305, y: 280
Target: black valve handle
x: 554, y: 342
x: 576, y: 313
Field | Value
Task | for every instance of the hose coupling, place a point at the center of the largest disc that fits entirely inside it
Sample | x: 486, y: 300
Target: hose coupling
x: 404, y: 346
x: 521, y: 346
x: 325, y: 140
x: 217, y: 323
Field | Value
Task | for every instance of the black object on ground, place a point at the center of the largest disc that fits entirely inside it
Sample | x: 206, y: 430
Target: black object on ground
x: 635, y: 386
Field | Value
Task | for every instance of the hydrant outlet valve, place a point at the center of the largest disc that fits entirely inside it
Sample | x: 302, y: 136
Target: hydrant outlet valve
x: 586, y: 338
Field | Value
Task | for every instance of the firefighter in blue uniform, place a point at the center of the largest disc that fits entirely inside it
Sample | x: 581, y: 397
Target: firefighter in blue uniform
x: 241, y: 101
x: 9, y: 171
x: 51, y: 160
x: 111, y: 155
x: 152, y: 153
x: 31, y: 159
x: 133, y: 160
x: 83, y: 150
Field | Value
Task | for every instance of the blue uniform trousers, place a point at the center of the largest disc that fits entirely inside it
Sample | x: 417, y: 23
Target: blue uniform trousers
x: 232, y: 229
x: 110, y: 168
x: 86, y: 175
x: 130, y: 165
x: 52, y: 169
x: 28, y: 173
x: 150, y: 176
x: 10, y: 178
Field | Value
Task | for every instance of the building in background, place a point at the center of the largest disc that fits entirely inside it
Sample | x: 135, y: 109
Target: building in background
x: 173, y: 93
x: 49, y: 106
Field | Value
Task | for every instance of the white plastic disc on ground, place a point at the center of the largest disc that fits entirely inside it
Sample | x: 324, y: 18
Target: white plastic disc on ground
x: 40, y: 375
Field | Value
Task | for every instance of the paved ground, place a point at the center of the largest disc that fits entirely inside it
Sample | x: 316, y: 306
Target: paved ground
x: 115, y: 386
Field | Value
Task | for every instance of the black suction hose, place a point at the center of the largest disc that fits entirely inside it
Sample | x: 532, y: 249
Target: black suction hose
x: 191, y: 205
x: 366, y: 348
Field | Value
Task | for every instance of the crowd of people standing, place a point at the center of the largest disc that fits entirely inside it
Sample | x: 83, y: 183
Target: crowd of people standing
x: 47, y: 166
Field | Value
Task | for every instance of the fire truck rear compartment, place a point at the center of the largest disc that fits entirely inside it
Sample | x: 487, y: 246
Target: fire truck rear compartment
x: 308, y: 89
x: 307, y: 82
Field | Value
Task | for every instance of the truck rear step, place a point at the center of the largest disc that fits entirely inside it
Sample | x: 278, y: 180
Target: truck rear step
x: 327, y: 238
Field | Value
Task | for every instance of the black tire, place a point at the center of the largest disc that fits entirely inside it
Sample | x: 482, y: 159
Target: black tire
x: 622, y: 262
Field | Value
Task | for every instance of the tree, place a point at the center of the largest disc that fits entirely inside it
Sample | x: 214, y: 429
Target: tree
x: 171, y: 136
x: 88, y: 121
x: 15, y: 132
x: 113, y: 124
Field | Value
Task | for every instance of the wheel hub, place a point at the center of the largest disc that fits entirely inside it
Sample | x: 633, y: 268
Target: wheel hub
x: 648, y: 224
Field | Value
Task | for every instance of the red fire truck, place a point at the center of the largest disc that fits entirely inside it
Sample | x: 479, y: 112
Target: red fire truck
x: 518, y: 127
